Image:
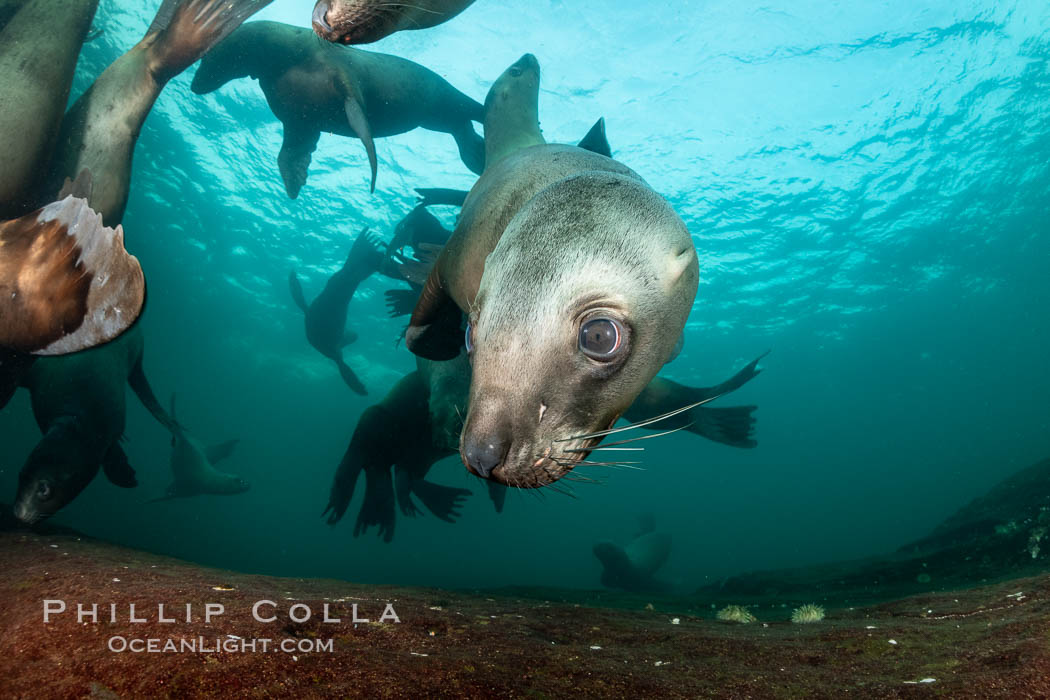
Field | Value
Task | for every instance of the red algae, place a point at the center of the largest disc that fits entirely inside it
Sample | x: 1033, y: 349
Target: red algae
x: 980, y: 642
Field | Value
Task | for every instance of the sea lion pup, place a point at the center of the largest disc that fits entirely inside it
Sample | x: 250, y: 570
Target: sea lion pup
x: 66, y: 284
x: 40, y: 41
x: 420, y: 420
x: 632, y: 568
x: 577, y: 278
x: 407, y: 430
x: 79, y: 403
x: 313, y: 87
x: 100, y: 130
x: 365, y: 21
x: 193, y: 466
x: 326, y: 315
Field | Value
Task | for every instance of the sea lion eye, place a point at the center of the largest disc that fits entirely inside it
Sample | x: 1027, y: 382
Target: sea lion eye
x: 43, y: 491
x: 601, y: 339
x: 468, y: 338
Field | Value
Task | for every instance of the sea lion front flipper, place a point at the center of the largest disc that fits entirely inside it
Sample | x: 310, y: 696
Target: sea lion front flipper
x: 435, y: 196
x: 66, y: 281
x: 117, y: 469
x: 403, y: 489
x: 596, y: 141
x: 217, y: 453
x: 141, y: 386
x: 471, y: 147
x: 351, y: 379
x: 435, y: 331
x: 13, y: 367
x: 355, y: 114
x: 444, y: 502
x: 297, y: 291
x: 295, y: 156
x: 400, y: 302
x: 186, y: 29
x: 497, y: 494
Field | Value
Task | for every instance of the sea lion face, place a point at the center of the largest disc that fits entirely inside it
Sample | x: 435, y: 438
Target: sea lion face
x: 356, y: 21
x: 54, y: 474
x: 581, y: 302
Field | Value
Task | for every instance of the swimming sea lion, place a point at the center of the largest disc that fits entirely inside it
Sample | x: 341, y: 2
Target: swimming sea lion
x: 632, y: 568
x: 79, y: 403
x: 365, y: 21
x: 419, y: 423
x: 326, y: 315
x: 313, y: 87
x: 100, y: 130
x: 578, y: 279
x: 40, y: 41
x: 193, y: 466
x: 66, y: 284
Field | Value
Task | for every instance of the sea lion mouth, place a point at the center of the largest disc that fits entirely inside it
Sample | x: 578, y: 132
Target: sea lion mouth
x: 361, y: 23
x: 319, y: 20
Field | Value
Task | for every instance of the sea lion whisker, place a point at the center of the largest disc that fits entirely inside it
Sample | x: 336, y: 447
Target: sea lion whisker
x: 613, y: 445
x: 640, y: 424
x: 615, y: 449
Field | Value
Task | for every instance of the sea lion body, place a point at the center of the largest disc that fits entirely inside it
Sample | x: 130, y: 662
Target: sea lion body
x: 312, y: 88
x: 633, y: 568
x: 40, y: 42
x: 365, y: 21
x: 193, y: 465
x: 80, y: 405
x: 326, y: 315
x: 558, y: 252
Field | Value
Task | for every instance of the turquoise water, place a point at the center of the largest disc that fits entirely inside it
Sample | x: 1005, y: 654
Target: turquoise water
x: 867, y: 187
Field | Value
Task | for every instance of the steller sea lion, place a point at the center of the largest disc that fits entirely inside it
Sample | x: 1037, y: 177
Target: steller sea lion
x: 365, y: 21
x: 577, y: 278
x: 40, y: 41
x: 633, y: 568
x: 419, y: 421
x: 313, y: 87
x: 79, y: 403
x: 326, y: 315
x: 193, y: 466
x: 101, y: 128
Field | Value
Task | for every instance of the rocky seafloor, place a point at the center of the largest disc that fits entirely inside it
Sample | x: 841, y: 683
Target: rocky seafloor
x: 963, y: 612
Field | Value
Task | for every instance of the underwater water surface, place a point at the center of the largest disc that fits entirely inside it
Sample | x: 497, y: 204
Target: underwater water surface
x: 867, y: 186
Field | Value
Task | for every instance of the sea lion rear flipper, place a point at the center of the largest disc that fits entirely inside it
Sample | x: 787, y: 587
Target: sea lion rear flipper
x: 351, y: 379
x: 444, y: 502
x: 187, y: 29
x: 730, y: 425
x: 66, y: 281
x: 435, y: 196
x: 295, y: 156
x: 400, y: 302
x: 596, y: 141
x: 217, y: 453
x: 80, y: 187
x: 364, y: 257
x: 117, y: 469
x: 297, y: 291
x: 355, y: 114
x: 378, y: 505
x: 738, y: 380
x: 497, y: 494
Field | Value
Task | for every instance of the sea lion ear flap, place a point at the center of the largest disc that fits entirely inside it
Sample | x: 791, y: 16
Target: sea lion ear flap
x: 681, y: 264
x: 355, y: 114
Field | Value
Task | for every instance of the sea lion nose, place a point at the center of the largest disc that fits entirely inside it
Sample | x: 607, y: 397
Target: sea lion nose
x: 320, y: 18
x: 484, y: 453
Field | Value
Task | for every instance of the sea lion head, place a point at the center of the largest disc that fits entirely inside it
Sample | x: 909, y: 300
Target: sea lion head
x: 244, y: 52
x: 582, y: 300
x: 55, y: 473
x: 357, y: 21
x: 512, y: 117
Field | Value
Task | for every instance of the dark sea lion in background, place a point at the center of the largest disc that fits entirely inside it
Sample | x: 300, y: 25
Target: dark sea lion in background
x: 365, y: 21
x: 79, y: 403
x: 633, y: 568
x: 193, y: 466
x: 66, y: 284
x: 313, y: 87
x: 578, y: 279
x: 419, y: 423
x: 326, y: 315
x: 100, y: 130
x: 40, y: 42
